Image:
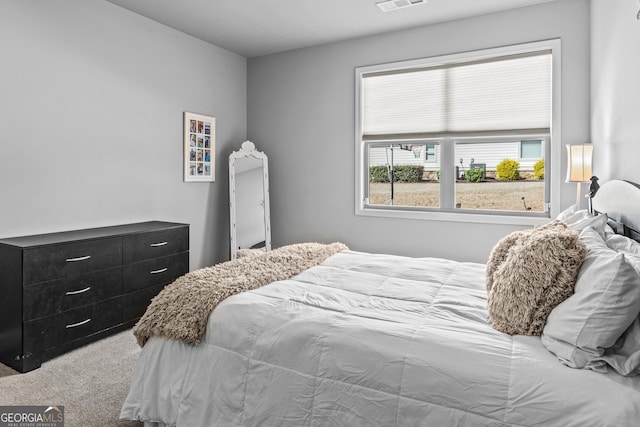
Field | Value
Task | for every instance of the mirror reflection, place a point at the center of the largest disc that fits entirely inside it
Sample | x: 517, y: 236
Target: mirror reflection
x: 249, y: 200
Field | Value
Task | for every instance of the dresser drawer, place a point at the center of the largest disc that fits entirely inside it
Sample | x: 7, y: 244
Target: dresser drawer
x: 136, y: 303
x: 49, y: 332
x: 47, y: 298
x: 143, y: 246
x: 154, y: 272
x: 66, y: 260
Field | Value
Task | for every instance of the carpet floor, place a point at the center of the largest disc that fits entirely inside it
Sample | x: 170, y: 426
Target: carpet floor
x: 91, y: 382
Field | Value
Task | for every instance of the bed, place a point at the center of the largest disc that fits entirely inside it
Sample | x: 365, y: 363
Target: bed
x: 382, y: 340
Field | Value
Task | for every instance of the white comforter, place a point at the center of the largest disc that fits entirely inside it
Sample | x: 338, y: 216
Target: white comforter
x: 369, y: 340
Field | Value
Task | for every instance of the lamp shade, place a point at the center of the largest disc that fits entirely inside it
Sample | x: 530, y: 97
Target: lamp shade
x: 579, y: 162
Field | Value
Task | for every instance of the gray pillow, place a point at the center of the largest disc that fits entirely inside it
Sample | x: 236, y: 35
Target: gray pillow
x: 529, y: 273
x: 605, y: 303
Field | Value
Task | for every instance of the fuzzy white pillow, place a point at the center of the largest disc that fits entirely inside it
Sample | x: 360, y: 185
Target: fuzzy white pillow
x: 529, y: 273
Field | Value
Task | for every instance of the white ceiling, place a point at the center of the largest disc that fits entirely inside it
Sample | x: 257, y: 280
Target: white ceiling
x: 259, y: 27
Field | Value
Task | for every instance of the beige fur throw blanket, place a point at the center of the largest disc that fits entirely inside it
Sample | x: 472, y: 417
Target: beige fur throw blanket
x: 529, y: 273
x: 181, y: 310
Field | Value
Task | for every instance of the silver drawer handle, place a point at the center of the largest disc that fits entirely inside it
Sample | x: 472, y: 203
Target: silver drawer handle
x: 155, y: 245
x: 82, y: 258
x: 162, y: 270
x: 81, y: 291
x: 73, y: 325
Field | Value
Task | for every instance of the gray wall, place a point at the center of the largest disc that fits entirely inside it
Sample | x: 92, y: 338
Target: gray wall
x: 301, y: 113
x: 615, y: 89
x: 91, y: 107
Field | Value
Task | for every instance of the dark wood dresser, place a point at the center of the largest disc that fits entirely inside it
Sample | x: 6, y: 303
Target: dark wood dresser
x: 60, y: 291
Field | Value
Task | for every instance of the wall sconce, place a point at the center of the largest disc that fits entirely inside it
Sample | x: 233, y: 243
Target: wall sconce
x: 579, y: 166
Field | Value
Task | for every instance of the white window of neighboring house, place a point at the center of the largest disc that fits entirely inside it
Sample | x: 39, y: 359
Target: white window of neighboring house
x: 531, y: 149
x: 430, y: 153
x: 456, y: 137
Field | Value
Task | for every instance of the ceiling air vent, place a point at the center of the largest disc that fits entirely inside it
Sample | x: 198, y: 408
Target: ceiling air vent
x: 389, y: 5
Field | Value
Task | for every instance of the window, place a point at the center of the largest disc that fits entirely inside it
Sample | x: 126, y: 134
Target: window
x: 430, y: 150
x: 531, y: 149
x: 457, y: 137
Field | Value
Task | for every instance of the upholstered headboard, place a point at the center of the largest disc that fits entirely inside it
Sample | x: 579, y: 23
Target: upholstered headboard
x: 620, y: 200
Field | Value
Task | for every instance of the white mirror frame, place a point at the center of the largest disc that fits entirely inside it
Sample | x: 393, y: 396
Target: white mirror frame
x: 248, y: 149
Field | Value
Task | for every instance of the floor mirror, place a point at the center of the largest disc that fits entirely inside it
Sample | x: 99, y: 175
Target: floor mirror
x: 250, y: 226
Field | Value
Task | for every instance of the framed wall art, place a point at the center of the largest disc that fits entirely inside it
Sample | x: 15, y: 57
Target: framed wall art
x: 199, y: 148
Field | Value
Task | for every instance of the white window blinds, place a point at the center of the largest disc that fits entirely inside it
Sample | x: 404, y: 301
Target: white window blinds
x: 492, y: 95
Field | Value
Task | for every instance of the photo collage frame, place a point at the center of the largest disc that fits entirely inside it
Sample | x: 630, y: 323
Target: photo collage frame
x: 199, y: 148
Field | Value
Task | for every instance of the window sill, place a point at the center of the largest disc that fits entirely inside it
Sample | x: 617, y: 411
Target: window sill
x: 453, y: 216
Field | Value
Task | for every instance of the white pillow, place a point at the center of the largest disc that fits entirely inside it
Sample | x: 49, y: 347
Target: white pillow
x: 624, y: 356
x: 570, y: 211
x: 578, y: 220
x: 605, y: 303
x: 623, y: 244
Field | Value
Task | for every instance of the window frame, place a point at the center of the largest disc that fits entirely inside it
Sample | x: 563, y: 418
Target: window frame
x: 551, y: 145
